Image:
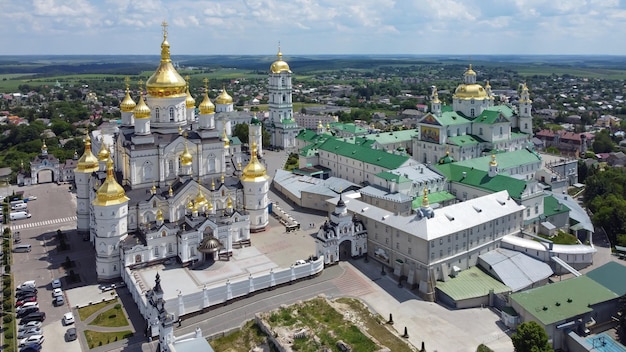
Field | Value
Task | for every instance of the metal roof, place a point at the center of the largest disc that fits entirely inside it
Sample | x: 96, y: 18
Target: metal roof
x: 471, y: 283
x: 516, y: 270
x: 610, y: 275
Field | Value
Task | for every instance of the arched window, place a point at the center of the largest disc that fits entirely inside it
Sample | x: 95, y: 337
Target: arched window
x: 138, y: 258
x: 147, y: 171
x: 157, y: 113
x: 171, y: 114
x: 472, y: 112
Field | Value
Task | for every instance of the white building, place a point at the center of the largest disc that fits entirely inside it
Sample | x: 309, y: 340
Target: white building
x: 147, y: 198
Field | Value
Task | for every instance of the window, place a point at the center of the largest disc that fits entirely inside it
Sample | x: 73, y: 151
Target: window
x: 157, y: 113
x: 480, y: 131
x: 171, y: 114
x: 156, y: 251
x: 409, y: 250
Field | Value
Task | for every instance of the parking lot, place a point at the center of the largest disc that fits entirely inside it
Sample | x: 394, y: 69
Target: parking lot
x: 44, y: 262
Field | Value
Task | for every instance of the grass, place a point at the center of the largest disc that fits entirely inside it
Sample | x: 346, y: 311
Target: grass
x: 243, y: 340
x: 561, y: 238
x: 372, y: 324
x: 87, y: 311
x: 96, y: 338
x: 113, y: 317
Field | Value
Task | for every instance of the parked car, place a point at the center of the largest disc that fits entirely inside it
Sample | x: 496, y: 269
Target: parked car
x: 30, y: 332
x: 70, y: 334
x: 29, y: 325
x: 26, y: 311
x: 25, y: 300
x: 26, y: 306
x: 20, y: 296
x: 37, y: 316
x: 33, y: 347
x: 57, y: 292
x: 25, y: 289
x: 30, y: 283
x: 58, y: 301
x: 68, y: 318
x: 56, y: 283
x: 35, y: 339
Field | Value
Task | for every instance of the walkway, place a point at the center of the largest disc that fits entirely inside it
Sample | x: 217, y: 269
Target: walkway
x: 69, y: 219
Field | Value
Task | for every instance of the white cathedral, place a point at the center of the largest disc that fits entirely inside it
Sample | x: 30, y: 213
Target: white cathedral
x: 172, y: 186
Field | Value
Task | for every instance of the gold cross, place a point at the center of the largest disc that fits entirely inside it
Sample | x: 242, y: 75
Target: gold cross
x: 127, y: 81
x: 164, y: 25
x: 206, y: 84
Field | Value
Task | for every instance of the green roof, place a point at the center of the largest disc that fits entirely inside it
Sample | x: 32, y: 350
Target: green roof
x: 364, y: 154
x: 385, y: 175
x: 462, y: 141
x: 563, y: 300
x: 610, y: 275
x: 481, y: 179
x: 471, y: 283
x: 234, y: 140
x: 447, y: 118
x: 490, y: 117
x: 503, y: 109
x: 392, y: 137
x: 433, y: 198
x: 505, y: 160
x: 551, y: 206
x: 348, y: 127
x: 307, y: 135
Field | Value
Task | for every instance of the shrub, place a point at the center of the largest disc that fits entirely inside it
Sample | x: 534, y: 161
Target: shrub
x: 7, y: 268
x: 118, y: 306
x: 7, y: 319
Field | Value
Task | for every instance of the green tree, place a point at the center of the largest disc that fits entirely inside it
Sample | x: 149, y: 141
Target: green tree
x: 266, y: 137
x: 602, y: 142
x: 241, y: 132
x: 531, y: 337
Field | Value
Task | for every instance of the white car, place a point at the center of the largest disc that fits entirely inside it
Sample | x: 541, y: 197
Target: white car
x: 57, y: 292
x: 26, y: 306
x: 56, y: 283
x: 32, y: 197
x: 68, y: 318
x: 35, y: 339
x: 29, y: 325
x: 30, y: 332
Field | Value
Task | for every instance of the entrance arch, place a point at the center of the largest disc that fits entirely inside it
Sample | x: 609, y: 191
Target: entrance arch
x: 45, y: 176
x: 345, y: 250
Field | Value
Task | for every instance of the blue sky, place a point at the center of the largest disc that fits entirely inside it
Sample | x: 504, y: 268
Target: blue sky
x: 449, y: 27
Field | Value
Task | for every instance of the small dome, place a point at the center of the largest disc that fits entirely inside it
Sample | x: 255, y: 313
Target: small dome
x: 254, y: 171
x: 210, y: 244
x: 141, y: 111
x: 190, y: 102
x: 207, y: 107
x: 279, y: 65
x: 225, y: 139
x: 493, y: 161
x: 128, y: 104
x: 470, y: 71
x: 88, y: 162
x: 159, y: 215
x: 186, y: 158
x: 103, y: 154
x: 224, y: 98
x: 110, y: 193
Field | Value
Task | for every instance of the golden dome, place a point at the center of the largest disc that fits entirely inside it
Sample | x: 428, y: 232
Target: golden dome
x: 470, y: 72
x: 200, y: 198
x: 425, y: 203
x: 487, y: 85
x: 186, y: 158
x: 165, y: 82
x: 103, y: 154
x: 229, y: 202
x: 207, y: 107
x: 159, y: 215
x: 493, y: 161
x: 141, y: 111
x: 254, y: 171
x: 319, y: 124
x: 279, y: 65
x: 210, y: 206
x: 128, y: 104
x: 88, y: 162
x: 110, y: 193
x: 470, y: 91
x: 153, y: 190
x: 190, y: 102
x: 224, y: 98
x: 190, y: 205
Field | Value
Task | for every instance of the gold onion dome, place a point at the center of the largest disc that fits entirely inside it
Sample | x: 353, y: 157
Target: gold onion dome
x: 200, y: 198
x: 493, y: 161
x: 141, y: 111
x: 229, y: 202
x: 186, y: 158
x: 207, y: 107
x: 470, y: 71
x: 110, y: 193
x: 103, y: 154
x: 165, y: 82
x: 279, y: 65
x: 225, y: 139
x: 470, y: 91
x: 224, y: 98
x: 425, y: 203
x: 159, y: 215
x: 254, y: 171
x: 128, y: 104
x: 87, y: 162
x: 190, y: 102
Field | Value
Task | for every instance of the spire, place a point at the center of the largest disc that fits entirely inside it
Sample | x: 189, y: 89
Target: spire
x: 165, y: 46
x: 254, y: 171
x: 186, y: 158
x: 225, y: 139
x: 110, y: 193
x: 341, y: 203
x: 425, y: 203
x: 206, y: 106
x: 157, y: 284
x: 87, y: 162
x: 128, y: 104
x: 190, y: 102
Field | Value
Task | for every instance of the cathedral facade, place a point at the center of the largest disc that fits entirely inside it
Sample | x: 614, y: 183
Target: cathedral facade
x: 171, y: 186
x: 474, y: 125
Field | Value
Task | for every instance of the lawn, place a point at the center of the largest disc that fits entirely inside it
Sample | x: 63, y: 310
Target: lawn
x: 96, y: 338
x: 113, y: 317
x: 248, y: 337
x: 87, y: 311
x: 561, y: 238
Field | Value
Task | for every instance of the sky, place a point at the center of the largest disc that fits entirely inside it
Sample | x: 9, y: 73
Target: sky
x: 310, y: 27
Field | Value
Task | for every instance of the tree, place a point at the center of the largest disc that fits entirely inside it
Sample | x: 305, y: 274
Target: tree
x: 602, y: 142
x: 531, y: 337
x: 241, y: 132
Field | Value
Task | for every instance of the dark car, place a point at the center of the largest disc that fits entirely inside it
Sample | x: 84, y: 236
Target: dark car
x: 24, y: 295
x: 37, y: 316
x: 24, y: 312
x: 33, y: 347
x: 25, y: 290
x: 70, y: 334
